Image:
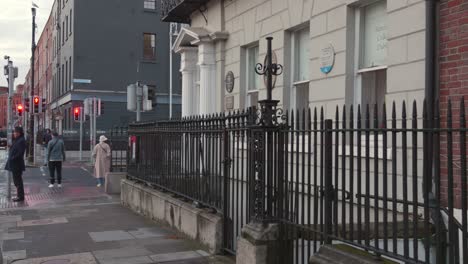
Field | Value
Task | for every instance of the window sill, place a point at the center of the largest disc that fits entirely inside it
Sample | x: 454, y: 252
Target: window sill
x: 149, y: 10
x: 146, y: 61
x: 377, y: 68
x: 301, y: 83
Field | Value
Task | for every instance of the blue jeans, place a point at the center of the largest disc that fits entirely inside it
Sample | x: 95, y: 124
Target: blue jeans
x: 100, y: 181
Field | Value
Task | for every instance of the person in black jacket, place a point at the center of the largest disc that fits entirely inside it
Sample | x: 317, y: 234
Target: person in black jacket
x: 15, y: 162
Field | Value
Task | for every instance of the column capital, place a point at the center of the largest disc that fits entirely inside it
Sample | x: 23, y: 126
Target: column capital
x: 188, y: 58
x: 186, y: 49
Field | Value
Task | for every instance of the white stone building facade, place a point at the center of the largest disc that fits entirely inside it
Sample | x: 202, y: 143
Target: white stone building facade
x: 378, y: 48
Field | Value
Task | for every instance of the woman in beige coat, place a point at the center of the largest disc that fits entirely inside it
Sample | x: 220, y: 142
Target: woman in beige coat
x: 102, y: 156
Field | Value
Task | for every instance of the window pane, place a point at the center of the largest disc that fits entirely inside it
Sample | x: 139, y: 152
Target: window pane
x: 71, y: 19
x: 252, y: 99
x: 149, y: 46
x: 375, y: 35
x: 150, y: 4
x: 302, y: 55
x: 252, y: 60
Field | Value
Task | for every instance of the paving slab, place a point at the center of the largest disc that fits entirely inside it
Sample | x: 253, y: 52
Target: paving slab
x: 167, y: 257
x: 130, y: 260
x: 115, y: 235
x: 81, y: 258
x: 10, y: 256
x: 124, y: 252
x: 203, y: 253
x: 147, y: 233
x: 41, y: 222
x: 12, y: 235
x: 10, y: 219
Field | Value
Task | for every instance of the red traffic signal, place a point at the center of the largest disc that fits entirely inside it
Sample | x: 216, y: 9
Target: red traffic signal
x: 19, y: 110
x: 36, y: 101
x: 76, y: 114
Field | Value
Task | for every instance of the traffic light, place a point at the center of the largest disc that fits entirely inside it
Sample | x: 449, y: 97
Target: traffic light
x: 26, y: 104
x: 101, y: 108
x: 76, y: 114
x: 19, y: 110
x: 36, y: 104
x: 43, y: 105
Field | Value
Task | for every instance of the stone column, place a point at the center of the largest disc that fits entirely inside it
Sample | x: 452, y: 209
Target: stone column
x: 188, y: 68
x: 208, y: 90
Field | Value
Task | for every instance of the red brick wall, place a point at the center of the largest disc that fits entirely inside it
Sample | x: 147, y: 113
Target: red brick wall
x: 453, y: 55
x: 17, y: 99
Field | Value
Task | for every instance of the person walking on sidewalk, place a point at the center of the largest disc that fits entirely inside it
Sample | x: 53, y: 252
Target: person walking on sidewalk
x: 45, y: 142
x: 101, y: 155
x: 55, y: 157
x: 15, y: 162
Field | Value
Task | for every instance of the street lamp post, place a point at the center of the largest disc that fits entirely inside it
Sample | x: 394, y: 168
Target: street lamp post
x: 269, y: 118
x: 31, y: 117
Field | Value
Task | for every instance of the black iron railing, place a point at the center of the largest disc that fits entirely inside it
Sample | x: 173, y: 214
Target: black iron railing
x: 361, y: 178
x: 168, y: 5
x: 179, y: 11
x: 118, y: 141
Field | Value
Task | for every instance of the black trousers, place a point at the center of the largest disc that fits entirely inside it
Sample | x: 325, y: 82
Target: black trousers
x: 18, y: 181
x: 55, y: 166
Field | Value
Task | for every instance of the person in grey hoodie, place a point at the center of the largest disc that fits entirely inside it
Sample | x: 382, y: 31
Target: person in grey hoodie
x: 55, y: 157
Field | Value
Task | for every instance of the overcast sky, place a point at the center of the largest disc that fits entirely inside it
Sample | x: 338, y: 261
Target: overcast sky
x: 15, y: 32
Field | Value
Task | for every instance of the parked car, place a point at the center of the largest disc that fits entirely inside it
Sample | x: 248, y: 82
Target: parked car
x: 3, y: 139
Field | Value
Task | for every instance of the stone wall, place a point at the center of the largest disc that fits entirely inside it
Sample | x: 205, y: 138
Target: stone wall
x: 195, y: 223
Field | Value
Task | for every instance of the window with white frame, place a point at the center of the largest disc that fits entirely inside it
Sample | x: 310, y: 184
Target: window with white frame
x: 371, y: 51
x: 150, y: 4
x: 252, y: 78
x: 300, y: 45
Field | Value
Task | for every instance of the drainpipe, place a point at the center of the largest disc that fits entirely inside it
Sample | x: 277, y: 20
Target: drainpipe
x: 431, y: 95
x: 431, y: 38
x: 431, y: 91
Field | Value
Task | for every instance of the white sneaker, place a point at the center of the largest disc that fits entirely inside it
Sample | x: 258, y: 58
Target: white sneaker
x: 99, y: 185
x: 51, y: 186
x: 60, y: 185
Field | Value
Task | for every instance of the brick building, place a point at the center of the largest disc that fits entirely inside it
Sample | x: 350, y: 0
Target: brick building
x: 453, y: 84
x: 17, y: 99
x: 76, y: 58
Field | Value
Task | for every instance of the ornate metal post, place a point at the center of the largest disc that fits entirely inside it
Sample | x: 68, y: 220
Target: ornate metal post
x: 268, y: 119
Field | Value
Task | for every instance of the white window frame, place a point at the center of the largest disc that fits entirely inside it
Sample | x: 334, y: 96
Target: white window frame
x: 149, y: 5
x: 296, y: 82
x: 249, y: 72
x: 359, y: 54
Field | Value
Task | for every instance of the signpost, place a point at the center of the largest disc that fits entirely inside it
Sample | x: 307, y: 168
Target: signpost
x: 11, y: 73
x: 92, y: 107
x: 139, y: 99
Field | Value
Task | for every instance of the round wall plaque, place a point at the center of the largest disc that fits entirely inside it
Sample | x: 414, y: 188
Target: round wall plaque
x: 229, y: 81
x: 327, y: 59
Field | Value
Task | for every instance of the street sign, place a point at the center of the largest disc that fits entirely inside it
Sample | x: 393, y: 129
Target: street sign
x: 81, y: 81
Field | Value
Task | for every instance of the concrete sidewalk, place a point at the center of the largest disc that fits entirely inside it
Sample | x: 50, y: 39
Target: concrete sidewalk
x: 80, y: 224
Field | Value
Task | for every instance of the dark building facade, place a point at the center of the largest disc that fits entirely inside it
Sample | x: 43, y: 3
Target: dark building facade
x: 100, y: 47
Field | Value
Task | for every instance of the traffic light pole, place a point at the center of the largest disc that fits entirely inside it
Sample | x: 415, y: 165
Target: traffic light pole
x: 31, y: 118
x: 11, y: 85
x: 139, y: 97
x: 81, y: 133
